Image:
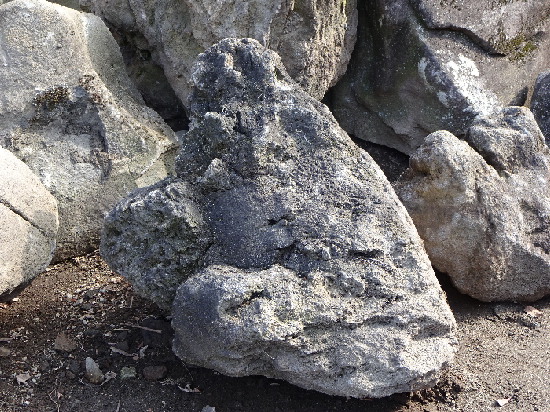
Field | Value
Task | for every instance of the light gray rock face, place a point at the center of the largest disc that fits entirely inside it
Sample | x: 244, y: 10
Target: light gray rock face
x: 426, y: 65
x: 28, y: 223
x: 484, y: 210
x: 315, y: 39
x: 69, y: 111
x: 297, y: 259
x: 540, y: 103
x: 491, y: 24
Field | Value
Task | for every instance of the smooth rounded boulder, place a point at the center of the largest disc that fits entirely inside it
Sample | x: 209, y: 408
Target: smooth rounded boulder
x: 28, y: 223
x: 70, y: 112
x: 281, y: 245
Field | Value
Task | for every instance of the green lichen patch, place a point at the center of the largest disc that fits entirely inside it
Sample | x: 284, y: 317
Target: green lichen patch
x: 517, y: 48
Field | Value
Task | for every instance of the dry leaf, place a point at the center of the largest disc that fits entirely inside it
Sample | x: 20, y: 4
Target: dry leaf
x: 63, y: 343
x: 188, y: 389
x: 4, y: 352
x: 502, y: 402
x: 121, y: 352
x: 531, y: 311
x: 22, y: 378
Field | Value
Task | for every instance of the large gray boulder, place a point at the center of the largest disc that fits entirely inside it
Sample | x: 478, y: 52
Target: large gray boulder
x: 28, y: 223
x: 540, y: 103
x: 314, y: 39
x: 483, y: 209
x: 427, y: 65
x: 295, y: 258
x: 69, y: 111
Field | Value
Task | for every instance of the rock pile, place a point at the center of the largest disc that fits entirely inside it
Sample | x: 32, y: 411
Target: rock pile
x: 281, y: 244
x: 423, y: 65
x: 314, y: 39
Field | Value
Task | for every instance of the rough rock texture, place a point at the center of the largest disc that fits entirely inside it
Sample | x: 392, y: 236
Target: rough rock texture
x: 69, y: 111
x: 296, y: 259
x: 28, y: 223
x: 424, y: 65
x: 314, y: 38
x: 491, y: 24
x: 484, y: 210
x: 540, y: 103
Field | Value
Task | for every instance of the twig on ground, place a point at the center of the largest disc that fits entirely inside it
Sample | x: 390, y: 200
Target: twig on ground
x: 54, y: 390
x: 142, y: 327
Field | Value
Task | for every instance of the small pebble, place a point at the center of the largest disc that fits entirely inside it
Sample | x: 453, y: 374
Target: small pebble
x: 128, y: 372
x: 4, y: 352
x: 93, y: 373
x: 154, y: 373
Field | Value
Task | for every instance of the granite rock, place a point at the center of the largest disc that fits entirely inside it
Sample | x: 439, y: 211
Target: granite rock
x: 420, y: 66
x: 28, y: 223
x: 315, y: 39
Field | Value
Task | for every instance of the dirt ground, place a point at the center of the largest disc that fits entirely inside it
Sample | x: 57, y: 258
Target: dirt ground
x: 79, y: 309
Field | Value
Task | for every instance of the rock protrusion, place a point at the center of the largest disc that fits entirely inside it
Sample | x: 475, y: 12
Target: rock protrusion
x: 483, y: 209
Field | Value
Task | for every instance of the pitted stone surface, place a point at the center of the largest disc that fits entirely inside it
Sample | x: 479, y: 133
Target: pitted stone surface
x: 540, y: 103
x: 297, y: 259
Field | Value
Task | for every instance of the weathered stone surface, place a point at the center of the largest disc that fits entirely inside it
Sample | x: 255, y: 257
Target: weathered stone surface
x: 156, y: 238
x: 425, y: 65
x: 69, y: 111
x: 540, y: 103
x: 484, y: 210
x: 28, y: 223
x: 315, y: 39
x: 297, y: 259
x: 495, y: 25
x: 338, y: 331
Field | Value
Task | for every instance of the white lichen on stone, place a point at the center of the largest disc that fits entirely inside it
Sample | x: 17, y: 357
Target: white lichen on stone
x: 465, y: 77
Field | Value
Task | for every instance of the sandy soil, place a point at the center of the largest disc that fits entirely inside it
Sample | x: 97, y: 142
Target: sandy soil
x: 80, y: 309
